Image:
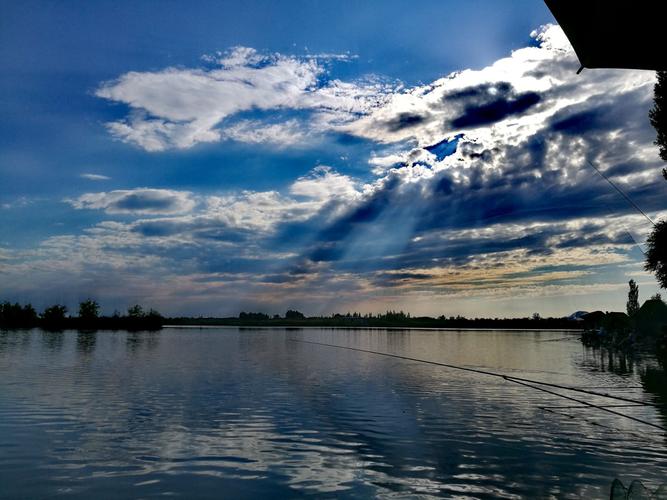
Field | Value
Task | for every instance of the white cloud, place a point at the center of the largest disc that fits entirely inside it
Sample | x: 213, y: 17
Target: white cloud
x: 136, y: 201
x: 263, y: 211
x: 245, y: 211
x: 178, y: 108
x: 324, y: 184
x: 257, y: 210
x: 288, y: 133
x: 532, y: 84
x: 94, y: 177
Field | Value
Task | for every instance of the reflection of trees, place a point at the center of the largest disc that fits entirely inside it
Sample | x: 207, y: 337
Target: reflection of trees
x: 136, y: 341
x: 12, y: 339
x: 654, y: 381
x: 610, y: 360
x: 52, y: 340
x: 85, y: 342
x: 653, y: 378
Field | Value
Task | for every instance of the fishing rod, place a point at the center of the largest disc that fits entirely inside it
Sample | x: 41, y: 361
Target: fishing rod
x: 518, y: 380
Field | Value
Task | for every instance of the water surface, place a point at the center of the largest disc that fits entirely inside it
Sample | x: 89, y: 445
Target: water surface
x: 240, y: 413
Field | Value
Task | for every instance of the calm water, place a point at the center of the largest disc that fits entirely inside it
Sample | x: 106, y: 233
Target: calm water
x: 229, y: 413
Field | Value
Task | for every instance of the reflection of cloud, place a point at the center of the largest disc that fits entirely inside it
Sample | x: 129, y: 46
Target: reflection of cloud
x: 298, y: 418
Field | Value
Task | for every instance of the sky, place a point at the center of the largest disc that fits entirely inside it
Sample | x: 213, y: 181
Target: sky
x: 326, y: 156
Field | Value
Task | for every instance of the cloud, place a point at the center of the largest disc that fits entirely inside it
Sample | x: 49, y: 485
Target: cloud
x: 324, y: 184
x: 136, y: 201
x: 499, y: 104
x: 243, y: 215
x: 178, y: 108
x: 478, y: 187
x: 287, y: 134
x: 20, y: 202
x: 94, y: 177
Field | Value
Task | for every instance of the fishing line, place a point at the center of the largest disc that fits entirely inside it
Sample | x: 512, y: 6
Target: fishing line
x: 611, y: 212
x: 639, y: 437
x: 518, y: 380
x: 561, y: 407
x: 621, y: 192
x: 591, y: 405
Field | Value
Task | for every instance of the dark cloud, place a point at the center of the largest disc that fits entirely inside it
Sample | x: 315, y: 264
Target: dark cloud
x: 495, y: 111
x: 384, y: 279
x: 145, y: 201
x: 480, y: 93
x: 155, y: 228
x: 624, y: 168
x: 137, y: 201
x: 405, y: 120
x: 489, y: 103
x: 327, y: 245
x: 582, y: 122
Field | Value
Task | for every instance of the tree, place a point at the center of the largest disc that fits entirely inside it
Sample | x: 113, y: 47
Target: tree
x: 656, y: 255
x: 89, y: 309
x: 290, y: 314
x: 633, y: 299
x: 136, y: 311
x: 251, y: 316
x: 54, y: 314
x: 17, y: 316
x: 658, y: 115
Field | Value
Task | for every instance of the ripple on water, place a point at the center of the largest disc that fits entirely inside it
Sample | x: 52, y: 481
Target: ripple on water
x: 195, y: 413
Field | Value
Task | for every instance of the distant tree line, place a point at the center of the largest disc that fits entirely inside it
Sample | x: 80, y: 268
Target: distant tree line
x: 14, y: 315
x: 397, y: 319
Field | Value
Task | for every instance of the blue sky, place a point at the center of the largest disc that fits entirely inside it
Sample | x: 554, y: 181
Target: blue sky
x: 327, y: 156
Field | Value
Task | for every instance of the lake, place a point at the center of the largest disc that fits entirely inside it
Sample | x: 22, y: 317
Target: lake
x: 250, y: 412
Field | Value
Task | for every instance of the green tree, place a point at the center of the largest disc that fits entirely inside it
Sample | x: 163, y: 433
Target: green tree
x: 89, y: 309
x: 658, y: 115
x: 656, y: 254
x: 15, y: 315
x: 154, y: 314
x: 29, y: 313
x: 633, y: 299
x: 291, y: 314
x: 136, y: 311
x: 54, y: 314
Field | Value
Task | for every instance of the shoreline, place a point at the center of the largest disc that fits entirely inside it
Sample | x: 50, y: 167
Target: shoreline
x: 361, y: 327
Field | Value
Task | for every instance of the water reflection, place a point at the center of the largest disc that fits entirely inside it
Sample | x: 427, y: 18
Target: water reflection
x: 52, y: 340
x: 197, y: 412
x: 85, y: 341
x: 11, y: 340
x: 142, y: 340
x: 601, y: 359
x: 654, y: 381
